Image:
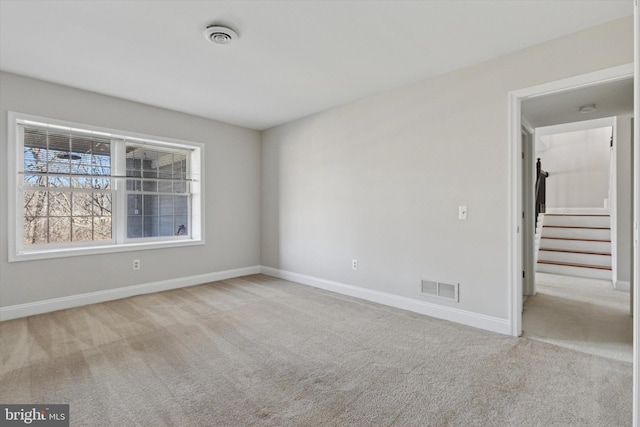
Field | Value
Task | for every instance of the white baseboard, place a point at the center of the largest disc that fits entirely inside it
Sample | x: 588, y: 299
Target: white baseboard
x: 468, y: 318
x: 621, y: 285
x: 54, y: 304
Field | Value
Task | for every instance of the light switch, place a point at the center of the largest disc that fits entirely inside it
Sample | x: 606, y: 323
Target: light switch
x: 462, y: 212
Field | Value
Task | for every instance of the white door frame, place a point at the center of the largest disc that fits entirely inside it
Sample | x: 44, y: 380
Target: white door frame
x: 635, y: 262
x: 515, y: 176
x: 528, y: 225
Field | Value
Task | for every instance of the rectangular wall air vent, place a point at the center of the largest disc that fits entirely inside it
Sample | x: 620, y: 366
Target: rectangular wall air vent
x: 440, y: 290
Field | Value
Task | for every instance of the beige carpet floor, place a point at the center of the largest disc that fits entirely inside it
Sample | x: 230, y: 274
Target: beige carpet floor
x: 260, y: 351
x: 582, y: 314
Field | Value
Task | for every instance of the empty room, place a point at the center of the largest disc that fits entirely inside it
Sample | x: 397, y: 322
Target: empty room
x: 303, y: 213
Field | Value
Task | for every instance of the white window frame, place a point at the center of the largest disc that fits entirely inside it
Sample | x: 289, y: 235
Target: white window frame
x: 119, y: 242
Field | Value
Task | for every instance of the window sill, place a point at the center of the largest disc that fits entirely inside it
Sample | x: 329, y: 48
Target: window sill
x: 35, y: 255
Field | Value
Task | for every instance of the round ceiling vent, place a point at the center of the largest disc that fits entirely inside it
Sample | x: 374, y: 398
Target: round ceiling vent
x: 219, y: 34
x: 587, y: 108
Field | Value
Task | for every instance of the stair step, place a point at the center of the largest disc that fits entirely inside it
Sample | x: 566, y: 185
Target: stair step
x: 574, y: 258
x: 574, y: 214
x: 577, y: 220
x: 576, y: 251
x: 576, y: 239
x: 596, y: 267
x: 575, y: 244
x: 577, y: 226
x: 564, y: 270
x: 585, y: 233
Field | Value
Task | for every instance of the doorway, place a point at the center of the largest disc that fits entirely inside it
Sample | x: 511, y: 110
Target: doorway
x: 561, y: 100
x: 573, y: 303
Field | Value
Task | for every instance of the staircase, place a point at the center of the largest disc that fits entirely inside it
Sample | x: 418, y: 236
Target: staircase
x: 575, y: 245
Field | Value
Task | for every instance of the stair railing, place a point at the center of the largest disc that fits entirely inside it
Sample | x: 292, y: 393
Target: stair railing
x: 541, y: 189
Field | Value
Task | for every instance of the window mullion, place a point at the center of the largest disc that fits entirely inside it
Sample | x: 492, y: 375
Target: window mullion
x: 119, y: 168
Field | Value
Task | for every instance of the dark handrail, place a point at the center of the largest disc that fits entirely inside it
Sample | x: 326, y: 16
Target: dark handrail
x: 541, y: 189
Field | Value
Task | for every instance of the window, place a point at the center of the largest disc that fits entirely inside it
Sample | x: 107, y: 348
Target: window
x: 81, y: 189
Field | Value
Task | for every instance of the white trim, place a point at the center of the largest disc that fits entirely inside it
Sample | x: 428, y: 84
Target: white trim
x: 515, y: 98
x: 525, y: 124
x: 514, y: 244
x: 529, y: 255
x: 54, y: 304
x: 468, y: 318
x: 576, y: 82
x: 612, y: 200
x: 636, y: 217
x: 14, y: 232
x: 622, y: 285
x: 101, y: 249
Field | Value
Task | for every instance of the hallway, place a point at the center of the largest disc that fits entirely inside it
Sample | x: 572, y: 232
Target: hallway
x: 586, y: 315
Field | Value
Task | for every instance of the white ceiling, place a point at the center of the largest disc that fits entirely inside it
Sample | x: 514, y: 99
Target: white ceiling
x: 611, y: 99
x: 292, y: 59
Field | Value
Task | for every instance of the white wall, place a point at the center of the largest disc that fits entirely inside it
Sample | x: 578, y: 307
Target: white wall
x: 232, y: 196
x: 579, y: 168
x: 381, y: 179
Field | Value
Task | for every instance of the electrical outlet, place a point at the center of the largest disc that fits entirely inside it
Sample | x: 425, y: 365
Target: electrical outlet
x: 354, y: 264
x: 136, y: 264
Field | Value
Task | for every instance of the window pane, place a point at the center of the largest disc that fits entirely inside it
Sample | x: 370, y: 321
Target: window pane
x: 81, y: 182
x: 59, y: 153
x: 166, y: 226
x: 35, y: 180
x: 165, y: 186
x: 101, y: 203
x: 59, y: 181
x: 134, y: 227
x: 133, y: 172
x: 181, y: 205
x: 59, y: 203
x: 35, y: 203
x: 35, y: 231
x: 134, y: 204
x: 82, y: 204
x: 149, y: 185
x: 35, y: 138
x: 101, y: 183
x: 101, y: 160
x: 82, y: 229
x: 59, y: 229
x: 150, y: 226
x: 80, y: 155
x: 166, y: 205
x: 180, y: 187
x: 101, y: 228
x: 35, y: 150
x: 181, y: 224
x: 134, y: 184
x: 149, y: 160
x: 82, y: 146
x: 150, y: 205
x: 179, y: 165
